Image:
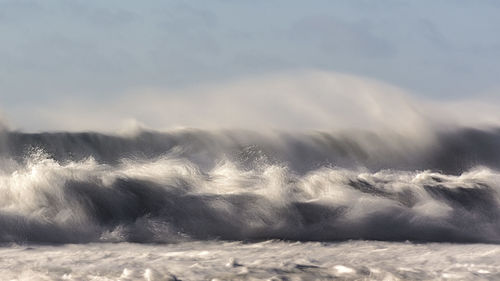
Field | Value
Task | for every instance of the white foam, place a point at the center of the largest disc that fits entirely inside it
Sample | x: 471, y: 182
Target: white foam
x: 351, y: 260
x: 88, y: 201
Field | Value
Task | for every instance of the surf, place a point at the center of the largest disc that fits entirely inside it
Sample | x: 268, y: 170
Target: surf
x: 166, y: 187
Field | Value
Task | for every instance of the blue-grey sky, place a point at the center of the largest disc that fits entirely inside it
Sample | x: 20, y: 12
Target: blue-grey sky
x: 96, y: 51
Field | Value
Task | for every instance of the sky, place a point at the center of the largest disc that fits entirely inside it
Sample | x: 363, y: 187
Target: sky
x: 79, y: 64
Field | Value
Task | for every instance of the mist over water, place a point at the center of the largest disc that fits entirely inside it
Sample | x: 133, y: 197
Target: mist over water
x: 295, y: 101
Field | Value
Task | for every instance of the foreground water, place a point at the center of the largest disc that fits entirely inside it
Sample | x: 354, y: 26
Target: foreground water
x: 270, y: 260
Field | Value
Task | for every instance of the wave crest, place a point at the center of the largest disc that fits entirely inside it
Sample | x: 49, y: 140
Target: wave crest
x: 172, y: 198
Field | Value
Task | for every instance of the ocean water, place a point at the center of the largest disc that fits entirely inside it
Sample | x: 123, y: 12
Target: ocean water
x: 242, y: 205
x: 269, y: 260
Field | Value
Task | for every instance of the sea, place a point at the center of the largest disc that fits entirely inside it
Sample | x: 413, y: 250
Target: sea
x: 191, y: 204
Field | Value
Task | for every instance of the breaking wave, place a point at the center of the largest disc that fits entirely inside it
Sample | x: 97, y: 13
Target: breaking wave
x: 241, y: 185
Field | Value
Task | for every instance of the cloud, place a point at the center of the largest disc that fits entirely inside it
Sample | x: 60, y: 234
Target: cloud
x: 431, y: 33
x: 98, y: 14
x: 98, y: 48
x: 338, y: 37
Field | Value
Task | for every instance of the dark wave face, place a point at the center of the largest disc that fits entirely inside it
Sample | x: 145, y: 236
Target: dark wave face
x: 241, y: 185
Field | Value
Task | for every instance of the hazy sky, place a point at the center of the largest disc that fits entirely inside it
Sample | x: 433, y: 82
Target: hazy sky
x: 55, y: 52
